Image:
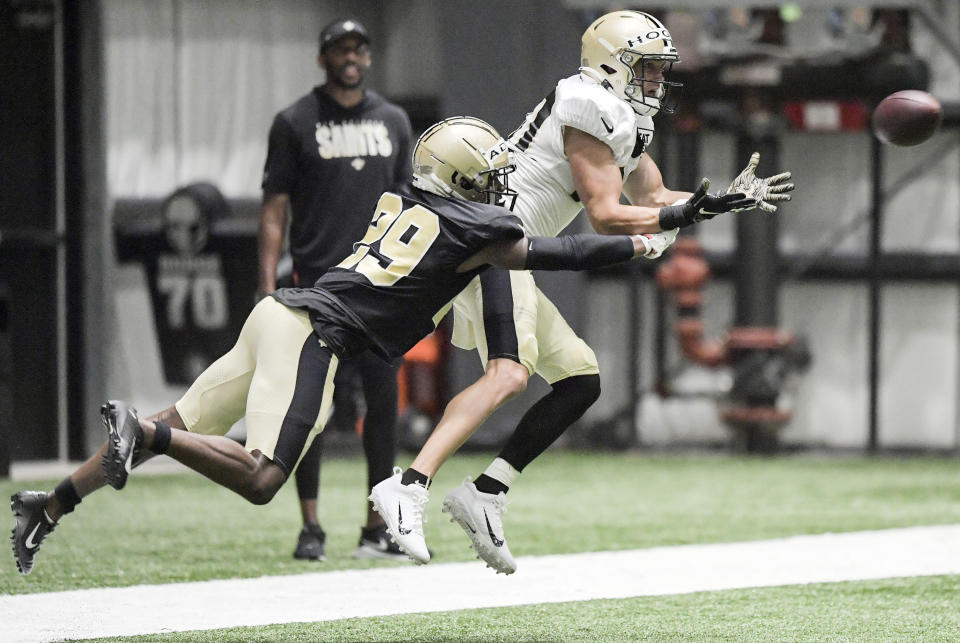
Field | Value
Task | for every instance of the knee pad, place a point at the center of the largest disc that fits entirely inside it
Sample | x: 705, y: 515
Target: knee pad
x: 579, y: 390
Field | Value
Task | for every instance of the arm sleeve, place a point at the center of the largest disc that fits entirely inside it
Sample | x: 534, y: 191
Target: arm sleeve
x: 577, y: 251
x: 280, y: 170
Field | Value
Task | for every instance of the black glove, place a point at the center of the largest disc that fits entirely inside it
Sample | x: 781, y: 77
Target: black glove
x: 703, y: 206
x: 707, y: 206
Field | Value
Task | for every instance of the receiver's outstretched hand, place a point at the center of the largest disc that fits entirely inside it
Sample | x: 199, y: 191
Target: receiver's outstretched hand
x: 766, y: 191
x: 703, y: 205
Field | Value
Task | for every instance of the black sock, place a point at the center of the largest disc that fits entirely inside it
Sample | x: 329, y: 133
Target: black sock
x: 307, y: 474
x: 379, y: 381
x: 161, y: 438
x: 486, y: 484
x: 67, y: 496
x: 411, y: 476
x: 549, y: 417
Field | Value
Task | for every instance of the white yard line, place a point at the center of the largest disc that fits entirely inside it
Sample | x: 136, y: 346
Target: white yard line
x: 145, y: 609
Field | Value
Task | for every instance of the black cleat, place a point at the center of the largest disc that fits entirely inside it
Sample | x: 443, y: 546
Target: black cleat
x: 123, y: 441
x: 31, y: 527
x: 311, y: 543
x: 376, y: 543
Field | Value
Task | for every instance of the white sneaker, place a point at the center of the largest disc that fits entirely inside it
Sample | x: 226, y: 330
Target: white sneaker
x: 401, y: 507
x: 480, y: 516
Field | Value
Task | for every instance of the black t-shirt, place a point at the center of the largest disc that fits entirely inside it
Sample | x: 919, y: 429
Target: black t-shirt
x: 388, y: 294
x: 334, y: 163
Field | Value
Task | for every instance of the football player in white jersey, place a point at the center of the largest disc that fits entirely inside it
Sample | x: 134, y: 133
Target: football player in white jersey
x: 581, y: 148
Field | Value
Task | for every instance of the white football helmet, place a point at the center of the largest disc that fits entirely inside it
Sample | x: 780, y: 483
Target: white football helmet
x: 631, y: 54
x: 465, y: 158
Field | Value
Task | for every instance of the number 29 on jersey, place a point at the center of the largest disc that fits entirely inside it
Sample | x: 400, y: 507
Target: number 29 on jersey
x: 396, y: 241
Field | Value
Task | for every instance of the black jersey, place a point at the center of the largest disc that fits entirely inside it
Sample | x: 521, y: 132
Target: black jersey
x: 389, y: 293
x: 334, y: 163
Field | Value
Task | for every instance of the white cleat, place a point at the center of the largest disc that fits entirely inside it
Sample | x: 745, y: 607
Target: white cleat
x: 401, y: 507
x: 479, y: 514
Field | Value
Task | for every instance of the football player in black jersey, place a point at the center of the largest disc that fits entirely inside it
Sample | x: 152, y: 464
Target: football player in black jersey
x: 426, y: 241
x: 331, y: 154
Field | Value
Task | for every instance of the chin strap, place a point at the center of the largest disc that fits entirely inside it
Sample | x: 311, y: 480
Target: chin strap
x: 642, y: 108
x: 431, y: 183
x: 595, y: 76
x: 592, y: 74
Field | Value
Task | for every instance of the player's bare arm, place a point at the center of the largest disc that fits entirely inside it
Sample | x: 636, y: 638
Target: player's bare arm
x: 597, y: 180
x: 599, y: 184
x: 273, y: 221
x: 644, y: 186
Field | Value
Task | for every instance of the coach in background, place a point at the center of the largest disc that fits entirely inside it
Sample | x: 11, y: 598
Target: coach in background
x: 331, y: 155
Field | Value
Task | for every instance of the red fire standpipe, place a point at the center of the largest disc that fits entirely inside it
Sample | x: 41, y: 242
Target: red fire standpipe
x: 761, y: 357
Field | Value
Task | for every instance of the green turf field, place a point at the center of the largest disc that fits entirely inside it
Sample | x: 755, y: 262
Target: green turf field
x: 183, y: 528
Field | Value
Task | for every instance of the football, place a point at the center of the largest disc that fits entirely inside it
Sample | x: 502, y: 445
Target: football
x: 907, y: 117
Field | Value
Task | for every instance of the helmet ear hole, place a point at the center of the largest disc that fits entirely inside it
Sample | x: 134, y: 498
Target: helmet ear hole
x: 607, y: 68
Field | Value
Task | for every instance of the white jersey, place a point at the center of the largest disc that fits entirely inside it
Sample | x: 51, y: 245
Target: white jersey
x: 548, y: 201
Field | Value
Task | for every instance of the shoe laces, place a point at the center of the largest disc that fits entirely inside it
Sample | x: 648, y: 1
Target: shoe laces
x: 419, y: 496
x: 500, y: 502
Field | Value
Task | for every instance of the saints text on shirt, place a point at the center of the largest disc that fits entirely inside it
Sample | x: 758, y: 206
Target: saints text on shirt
x: 366, y: 138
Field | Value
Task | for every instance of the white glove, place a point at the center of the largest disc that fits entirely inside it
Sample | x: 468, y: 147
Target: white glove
x: 657, y: 242
x: 764, y: 191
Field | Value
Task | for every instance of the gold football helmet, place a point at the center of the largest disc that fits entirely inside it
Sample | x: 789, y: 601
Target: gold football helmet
x: 631, y: 54
x: 465, y: 158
